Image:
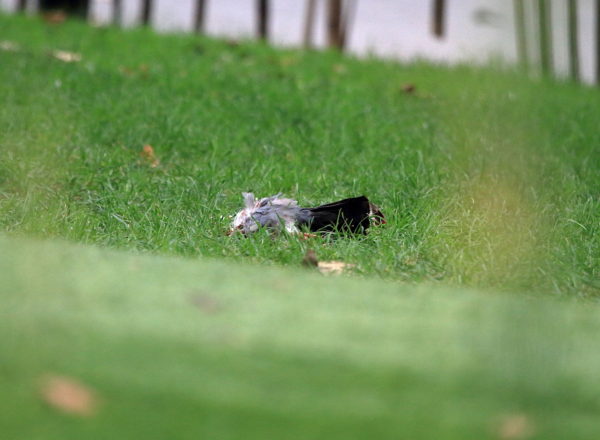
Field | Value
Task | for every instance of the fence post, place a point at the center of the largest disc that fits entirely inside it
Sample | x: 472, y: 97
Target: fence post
x: 309, y: 23
x: 199, y: 17
x: 117, y: 13
x: 263, y: 19
x: 347, y: 16
x: 334, y: 24
x: 146, y: 12
x: 439, y: 11
x: 573, y: 40
x: 520, y: 36
x: 545, y: 27
x: 598, y: 42
x: 21, y: 5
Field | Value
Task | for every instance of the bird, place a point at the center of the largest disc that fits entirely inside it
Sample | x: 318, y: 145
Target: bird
x: 276, y: 213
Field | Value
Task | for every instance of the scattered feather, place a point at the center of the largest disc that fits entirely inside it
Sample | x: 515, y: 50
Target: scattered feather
x: 9, y: 46
x: 66, y: 56
x: 334, y: 267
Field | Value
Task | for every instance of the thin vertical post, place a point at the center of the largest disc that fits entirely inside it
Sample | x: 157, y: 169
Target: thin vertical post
x: 347, y: 17
x: 544, y: 20
x: 334, y: 23
x: 598, y: 42
x: 309, y: 23
x: 199, y: 16
x: 21, y: 5
x: 573, y: 40
x: 439, y: 12
x: 117, y: 18
x: 263, y: 19
x: 520, y: 36
x: 146, y: 12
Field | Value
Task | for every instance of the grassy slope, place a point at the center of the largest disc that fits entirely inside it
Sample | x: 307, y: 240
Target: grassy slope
x: 488, y: 179
x: 192, y: 349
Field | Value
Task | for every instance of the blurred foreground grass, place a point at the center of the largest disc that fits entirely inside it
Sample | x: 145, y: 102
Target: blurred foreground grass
x: 488, y: 179
x: 173, y: 348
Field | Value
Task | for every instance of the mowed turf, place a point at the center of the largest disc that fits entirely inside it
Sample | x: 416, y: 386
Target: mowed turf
x: 488, y: 179
x: 179, y: 348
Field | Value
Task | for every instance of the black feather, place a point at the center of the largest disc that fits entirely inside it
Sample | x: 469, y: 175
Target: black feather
x: 348, y: 215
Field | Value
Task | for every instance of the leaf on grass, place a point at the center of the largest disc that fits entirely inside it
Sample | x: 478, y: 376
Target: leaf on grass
x: 340, y: 69
x: 66, y: 56
x: 69, y: 396
x: 310, y: 259
x: 515, y: 427
x: 409, y: 88
x: 55, y: 17
x: 9, y: 46
x: 334, y: 267
x: 149, y: 156
x: 206, y: 303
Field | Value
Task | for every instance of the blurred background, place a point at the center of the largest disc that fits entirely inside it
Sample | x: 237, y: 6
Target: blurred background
x: 558, y: 37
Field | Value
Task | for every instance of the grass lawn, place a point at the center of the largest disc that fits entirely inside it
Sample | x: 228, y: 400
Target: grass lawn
x: 175, y: 348
x: 116, y: 274
x: 488, y: 179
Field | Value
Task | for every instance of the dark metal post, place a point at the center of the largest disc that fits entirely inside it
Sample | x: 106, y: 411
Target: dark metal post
x: 309, y: 23
x: 117, y: 18
x: 598, y: 42
x: 439, y: 12
x: 334, y: 24
x: 199, y: 17
x: 347, y: 17
x: 573, y: 40
x: 520, y: 36
x: 263, y: 19
x: 146, y: 12
x: 21, y: 5
x: 544, y: 18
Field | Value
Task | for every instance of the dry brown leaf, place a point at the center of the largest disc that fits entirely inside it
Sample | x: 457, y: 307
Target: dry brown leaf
x: 66, y: 56
x: 334, y: 267
x: 69, y: 396
x: 409, y: 88
x: 340, y: 69
x: 515, y: 427
x: 9, y: 46
x: 55, y: 17
x: 310, y: 259
x: 206, y: 303
x: 149, y: 156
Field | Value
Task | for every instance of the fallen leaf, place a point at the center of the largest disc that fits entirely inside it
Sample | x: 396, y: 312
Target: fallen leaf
x: 9, y: 46
x: 409, y: 88
x: 515, y: 427
x: 204, y: 302
x: 288, y: 61
x: 310, y: 259
x: 66, y: 56
x: 69, y: 396
x: 334, y: 267
x: 340, y: 69
x: 149, y: 156
x: 55, y: 17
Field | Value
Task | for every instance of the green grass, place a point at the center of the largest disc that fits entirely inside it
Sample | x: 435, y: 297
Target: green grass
x: 175, y: 348
x: 488, y: 179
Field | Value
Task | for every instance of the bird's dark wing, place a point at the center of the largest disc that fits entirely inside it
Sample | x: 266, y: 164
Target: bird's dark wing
x: 345, y: 215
